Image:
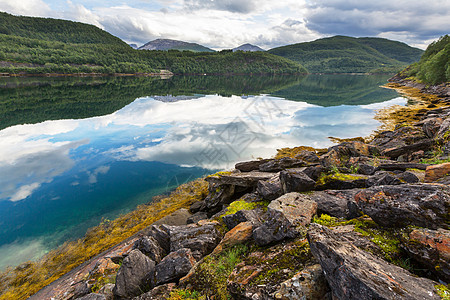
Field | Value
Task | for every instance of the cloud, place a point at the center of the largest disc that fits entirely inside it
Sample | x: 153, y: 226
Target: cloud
x: 92, y: 176
x: 25, y: 7
x: 237, y: 6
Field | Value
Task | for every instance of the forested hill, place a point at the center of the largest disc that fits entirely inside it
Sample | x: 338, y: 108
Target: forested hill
x: 55, y: 30
x: 434, y: 65
x: 341, y: 54
x: 41, y: 45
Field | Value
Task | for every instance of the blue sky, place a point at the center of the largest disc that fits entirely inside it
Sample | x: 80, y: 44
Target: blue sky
x: 222, y: 24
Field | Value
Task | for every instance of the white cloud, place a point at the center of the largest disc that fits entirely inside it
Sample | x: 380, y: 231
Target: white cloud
x: 92, y: 176
x: 25, y: 7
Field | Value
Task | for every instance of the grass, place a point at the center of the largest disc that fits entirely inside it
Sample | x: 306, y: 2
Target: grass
x: 443, y: 291
x: 28, y: 278
x: 292, y: 152
x: 211, y: 274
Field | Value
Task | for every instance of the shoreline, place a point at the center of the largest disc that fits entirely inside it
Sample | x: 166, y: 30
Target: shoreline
x: 87, y: 263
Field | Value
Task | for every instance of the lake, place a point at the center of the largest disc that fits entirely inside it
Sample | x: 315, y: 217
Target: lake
x: 76, y: 150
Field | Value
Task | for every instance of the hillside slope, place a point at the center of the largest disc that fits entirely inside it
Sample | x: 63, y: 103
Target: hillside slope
x: 434, y: 65
x: 38, y: 45
x: 341, y: 54
x: 167, y: 44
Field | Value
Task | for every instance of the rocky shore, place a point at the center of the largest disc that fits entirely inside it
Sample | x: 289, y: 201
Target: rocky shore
x: 359, y: 220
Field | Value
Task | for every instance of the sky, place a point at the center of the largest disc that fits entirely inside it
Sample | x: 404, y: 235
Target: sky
x: 225, y: 24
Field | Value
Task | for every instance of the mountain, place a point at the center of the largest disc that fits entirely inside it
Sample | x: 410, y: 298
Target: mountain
x: 248, y: 47
x: 31, y: 45
x: 434, y: 65
x: 134, y: 46
x: 342, y: 54
x: 166, y: 44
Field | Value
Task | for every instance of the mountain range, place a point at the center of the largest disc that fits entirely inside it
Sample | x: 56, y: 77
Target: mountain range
x: 248, y: 47
x: 167, y: 44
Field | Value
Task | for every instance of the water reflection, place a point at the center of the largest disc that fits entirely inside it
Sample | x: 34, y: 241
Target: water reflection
x: 63, y: 176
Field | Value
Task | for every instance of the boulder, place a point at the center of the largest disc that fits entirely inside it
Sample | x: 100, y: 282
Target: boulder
x: 295, y: 180
x: 135, y: 276
x: 196, y: 206
x: 81, y: 289
x: 255, y: 216
x: 331, y: 159
x: 269, y: 189
x: 431, y: 126
x: 238, y: 235
x: 408, y: 177
x: 161, y: 234
x: 444, y: 128
x: 107, y: 291
x: 382, y: 178
x: 431, y: 248
x: 337, y: 203
x: 308, y: 156
x: 158, y: 293
x: 93, y: 296
x: 408, y: 149
x: 176, y: 218
x: 309, y: 284
x: 149, y: 246
x: 244, y: 179
x: 435, y: 172
x: 286, y: 217
x: 248, y: 166
x: 174, y: 266
x: 277, y: 165
x: 339, y: 181
x: 402, y: 166
x: 355, y: 274
x: 200, y: 215
x: 402, y: 205
x: 218, y: 195
x: 313, y: 172
x: 200, y: 238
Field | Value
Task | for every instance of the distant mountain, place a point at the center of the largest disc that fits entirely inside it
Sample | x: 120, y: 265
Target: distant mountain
x: 166, y: 44
x: 342, y: 54
x: 134, y: 46
x: 248, y: 47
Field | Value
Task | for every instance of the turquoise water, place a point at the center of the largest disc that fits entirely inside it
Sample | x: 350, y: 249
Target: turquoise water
x: 94, y: 148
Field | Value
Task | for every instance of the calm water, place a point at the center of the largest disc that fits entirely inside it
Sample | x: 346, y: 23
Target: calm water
x: 76, y: 150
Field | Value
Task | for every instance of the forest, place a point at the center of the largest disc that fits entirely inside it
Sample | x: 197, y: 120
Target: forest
x: 41, y: 45
x: 434, y: 65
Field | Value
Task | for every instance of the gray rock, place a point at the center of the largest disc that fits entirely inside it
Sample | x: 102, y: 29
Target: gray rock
x: 286, y: 217
x: 445, y: 126
x: 161, y: 234
x: 431, y: 126
x: 254, y: 216
x: 314, y: 172
x: 248, y: 166
x: 277, y: 165
x: 135, y: 276
x: 366, y: 169
x: 308, y: 156
x: 382, y: 178
x: 355, y: 274
x: 174, y: 266
x: 196, y: 206
x: 269, y: 189
x: 197, y: 217
x: 408, y: 177
x: 107, y: 291
x: 149, y: 246
x: 93, y: 296
x: 337, y: 203
x: 81, y: 289
x: 295, y: 180
x: 218, y: 195
x: 158, y: 293
x: 421, y: 205
x: 309, y: 284
x: 408, y: 149
x: 402, y: 166
x: 342, y: 182
x: 201, y: 239
x: 178, y: 217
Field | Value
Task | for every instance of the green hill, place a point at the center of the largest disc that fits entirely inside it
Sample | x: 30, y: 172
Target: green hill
x: 434, y: 65
x: 341, y: 54
x: 41, y: 45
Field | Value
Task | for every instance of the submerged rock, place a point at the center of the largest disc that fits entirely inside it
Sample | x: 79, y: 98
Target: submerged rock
x: 403, y: 205
x: 355, y: 274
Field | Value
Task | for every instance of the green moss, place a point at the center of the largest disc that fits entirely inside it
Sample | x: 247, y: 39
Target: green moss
x: 443, y: 291
x: 325, y: 178
x: 238, y: 205
x: 101, y: 282
x: 185, y: 294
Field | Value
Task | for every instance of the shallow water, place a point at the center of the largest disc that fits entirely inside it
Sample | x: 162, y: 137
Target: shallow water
x: 96, y: 148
